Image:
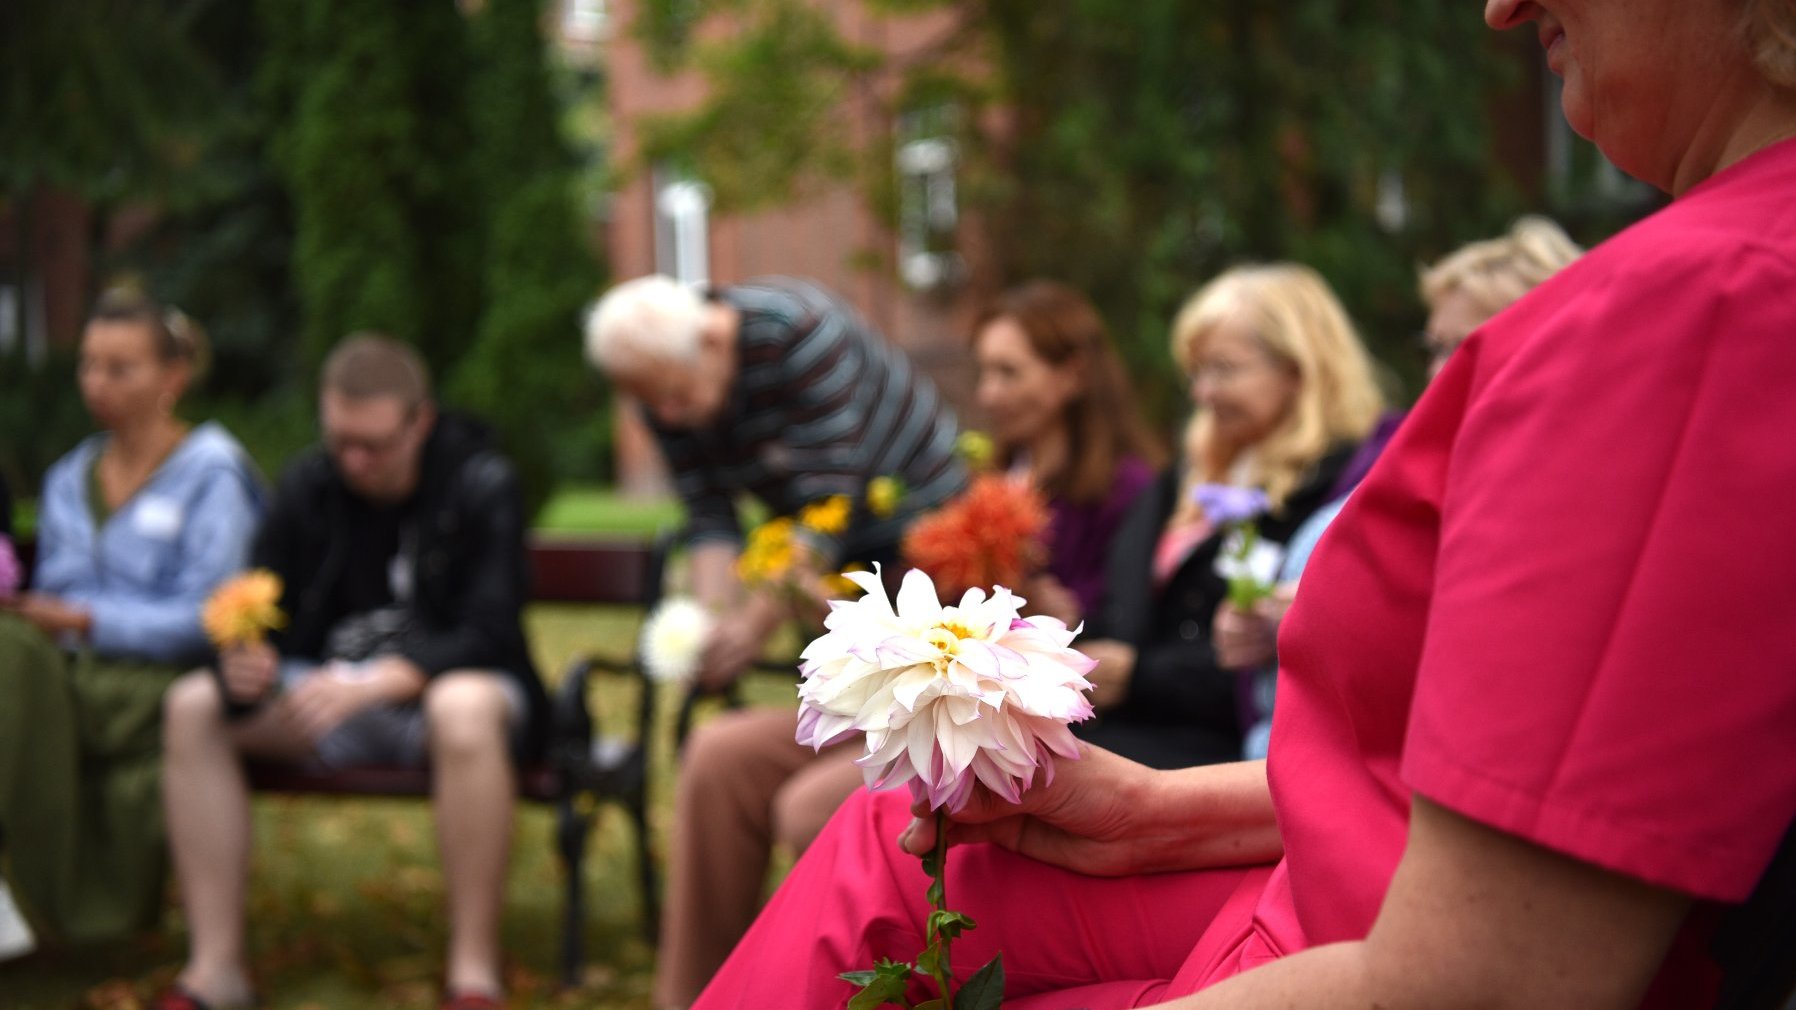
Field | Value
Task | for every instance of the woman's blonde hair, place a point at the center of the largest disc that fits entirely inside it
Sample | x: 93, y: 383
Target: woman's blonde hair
x: 1297, y: 320
x: 1771, y: 27
x: 1495, y: 272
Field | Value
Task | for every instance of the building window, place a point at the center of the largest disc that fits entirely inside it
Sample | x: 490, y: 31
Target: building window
x: 928, y: 204
x: 682, y: 228
x: 583, y: 20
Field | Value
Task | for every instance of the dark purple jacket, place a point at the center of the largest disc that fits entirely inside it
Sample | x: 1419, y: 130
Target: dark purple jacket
x: 1079, y: 535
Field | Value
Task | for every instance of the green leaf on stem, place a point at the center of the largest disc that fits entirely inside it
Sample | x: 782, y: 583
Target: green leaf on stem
x: 930, y: 962
x: 884, y: 984
x: 985, y: 990
x: 948, y: 925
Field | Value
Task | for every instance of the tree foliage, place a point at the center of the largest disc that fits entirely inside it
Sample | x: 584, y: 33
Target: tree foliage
x: 1134, y: 148
x: 316, y: 167
x: 524, y: 368
x: 373, y: 148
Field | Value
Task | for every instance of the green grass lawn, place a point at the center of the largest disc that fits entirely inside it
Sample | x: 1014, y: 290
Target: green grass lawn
x: 346, y: 895
x: 600, y: 510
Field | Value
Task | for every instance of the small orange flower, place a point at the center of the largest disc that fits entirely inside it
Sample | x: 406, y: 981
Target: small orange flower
x: 244, y: 610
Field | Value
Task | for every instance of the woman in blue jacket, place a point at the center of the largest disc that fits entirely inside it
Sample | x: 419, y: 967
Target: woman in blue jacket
x: 136, y: 527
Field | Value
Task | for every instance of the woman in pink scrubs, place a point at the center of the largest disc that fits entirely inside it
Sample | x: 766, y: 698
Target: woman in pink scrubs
x: 1535, y: 717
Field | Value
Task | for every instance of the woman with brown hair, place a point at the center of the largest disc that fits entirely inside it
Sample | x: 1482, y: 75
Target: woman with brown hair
x: 1056, y: 398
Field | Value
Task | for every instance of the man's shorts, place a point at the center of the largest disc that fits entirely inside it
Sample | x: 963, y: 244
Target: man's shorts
x: 387, y: 734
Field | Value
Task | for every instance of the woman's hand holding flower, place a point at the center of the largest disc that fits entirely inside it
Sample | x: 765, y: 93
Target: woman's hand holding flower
x: 1248, y: 639
x: 1083, y: 820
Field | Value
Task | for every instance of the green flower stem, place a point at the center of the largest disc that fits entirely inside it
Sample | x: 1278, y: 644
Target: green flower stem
x: 943, y: 975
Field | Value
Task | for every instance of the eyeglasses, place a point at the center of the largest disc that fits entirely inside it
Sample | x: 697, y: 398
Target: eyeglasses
x: 1224, y: 372
x: 337, y: 443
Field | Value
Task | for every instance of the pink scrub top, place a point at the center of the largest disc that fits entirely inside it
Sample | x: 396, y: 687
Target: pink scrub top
x: 1563, y: 604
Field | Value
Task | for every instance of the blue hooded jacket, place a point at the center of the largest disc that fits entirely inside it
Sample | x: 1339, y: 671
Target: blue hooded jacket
x: 144, y: 574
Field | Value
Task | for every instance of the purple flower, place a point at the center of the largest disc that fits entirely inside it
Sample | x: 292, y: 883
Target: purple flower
x: 1225, y: 503
x: 11, y: 572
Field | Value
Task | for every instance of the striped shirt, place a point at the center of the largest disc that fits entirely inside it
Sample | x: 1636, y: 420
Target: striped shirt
x: 820, y: 405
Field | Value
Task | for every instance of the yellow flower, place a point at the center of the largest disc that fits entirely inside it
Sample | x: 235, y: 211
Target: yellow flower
x: 828, y: 516
x: 883, y: 495
x: 244, y: 610
x: 769, y: 554
x: 975, y: 449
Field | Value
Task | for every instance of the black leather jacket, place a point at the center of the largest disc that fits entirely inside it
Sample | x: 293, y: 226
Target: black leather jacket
x: 471, y: 567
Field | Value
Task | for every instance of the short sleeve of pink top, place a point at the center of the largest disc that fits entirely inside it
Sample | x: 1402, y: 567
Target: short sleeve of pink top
x: 1564, y: 602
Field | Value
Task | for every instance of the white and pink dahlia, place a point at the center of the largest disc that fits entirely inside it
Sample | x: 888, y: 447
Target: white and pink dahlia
x: 946, y: 695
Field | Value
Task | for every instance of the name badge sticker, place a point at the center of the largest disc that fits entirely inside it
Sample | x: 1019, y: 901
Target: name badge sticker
x: 157, y: 518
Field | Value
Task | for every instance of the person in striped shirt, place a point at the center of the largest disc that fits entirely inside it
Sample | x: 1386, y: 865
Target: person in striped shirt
x: 779, y: 389
x: 774, y: 388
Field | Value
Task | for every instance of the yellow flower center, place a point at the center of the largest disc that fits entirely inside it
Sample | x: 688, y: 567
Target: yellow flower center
x: 947, y: 637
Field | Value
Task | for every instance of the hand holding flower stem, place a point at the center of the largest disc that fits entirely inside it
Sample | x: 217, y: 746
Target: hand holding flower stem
x: 998, y: 690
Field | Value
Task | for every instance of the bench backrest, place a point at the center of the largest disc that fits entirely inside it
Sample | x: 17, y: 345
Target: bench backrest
x: 563, y: 569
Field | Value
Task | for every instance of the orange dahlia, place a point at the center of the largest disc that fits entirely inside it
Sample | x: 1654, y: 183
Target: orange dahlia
x: 244, y: 610
x: 989, y: 536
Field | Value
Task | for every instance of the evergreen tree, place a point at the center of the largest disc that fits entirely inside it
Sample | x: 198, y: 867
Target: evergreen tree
x: 525, y: 371
x: 370, y: 150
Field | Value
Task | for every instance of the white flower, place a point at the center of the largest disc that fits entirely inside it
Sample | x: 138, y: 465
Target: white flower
x: 946, y: 696
x: 673, y: 637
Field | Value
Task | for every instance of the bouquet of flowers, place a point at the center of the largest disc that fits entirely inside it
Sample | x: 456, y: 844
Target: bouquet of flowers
x: 1249, y: 567
x: 946, y: 696
x: 989, y: 536
x: 12, y: 573
x: 244, y: 609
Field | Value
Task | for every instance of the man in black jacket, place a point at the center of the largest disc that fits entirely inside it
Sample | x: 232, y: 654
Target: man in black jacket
x: 400, y: 545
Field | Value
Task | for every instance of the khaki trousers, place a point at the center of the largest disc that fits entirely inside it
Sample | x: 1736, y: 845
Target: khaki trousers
x: 745, y: 785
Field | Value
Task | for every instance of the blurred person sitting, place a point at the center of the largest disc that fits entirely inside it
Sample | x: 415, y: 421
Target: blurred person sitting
x: 1284, y: 394
x: 1062, y: 417
x: 1462, y: 291
x: 136, y: 526
x: 400, y: 544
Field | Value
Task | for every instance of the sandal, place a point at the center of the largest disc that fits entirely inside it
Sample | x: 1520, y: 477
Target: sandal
x: 469, y: 1001
x: 179, y: 997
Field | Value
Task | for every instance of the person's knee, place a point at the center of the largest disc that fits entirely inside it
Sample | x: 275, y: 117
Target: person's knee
x: 722, y: 752
x: 193, y: 704
x: 803, y: 807
x: 466, y: 714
